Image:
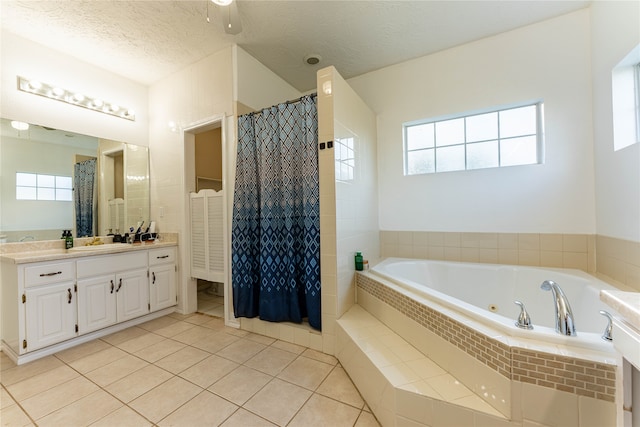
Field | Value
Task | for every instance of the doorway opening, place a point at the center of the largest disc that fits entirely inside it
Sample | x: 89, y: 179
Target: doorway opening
x: 207, y: 236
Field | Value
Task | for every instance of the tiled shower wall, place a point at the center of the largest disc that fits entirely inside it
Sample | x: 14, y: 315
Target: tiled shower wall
x: 616, y: 258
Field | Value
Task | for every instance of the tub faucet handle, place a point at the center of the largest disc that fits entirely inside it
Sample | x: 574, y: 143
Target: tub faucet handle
x: 524, y: 321
x: 607, y: 335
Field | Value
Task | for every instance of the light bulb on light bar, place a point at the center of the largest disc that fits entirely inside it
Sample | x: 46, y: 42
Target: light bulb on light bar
x: 19, y: 125
x: 74, y: 98
x: 222, y: 2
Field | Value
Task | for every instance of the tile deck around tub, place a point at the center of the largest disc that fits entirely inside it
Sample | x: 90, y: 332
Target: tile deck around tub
x: 394, y: 377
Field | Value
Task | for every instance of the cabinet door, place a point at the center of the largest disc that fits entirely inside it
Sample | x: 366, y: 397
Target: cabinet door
x: 162, y: 287
x: 50, y: 315
x: 96, y: 303
x: 132, y: 290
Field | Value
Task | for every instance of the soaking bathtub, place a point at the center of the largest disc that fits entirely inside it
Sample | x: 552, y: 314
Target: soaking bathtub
x: 484, y: 294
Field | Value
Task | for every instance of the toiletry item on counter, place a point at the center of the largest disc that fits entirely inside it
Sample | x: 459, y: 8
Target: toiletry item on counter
x: 68, y: 241
x: 152, y: 227
x: 365, y: 264
x: 359, y: 261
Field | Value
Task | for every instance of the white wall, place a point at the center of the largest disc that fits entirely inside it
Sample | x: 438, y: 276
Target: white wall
x: 20, y: 57
x: 615, y: 32
x: 256, y: 86
x: 549, y: 60
x: 348, y: 208
x: 193, y: 95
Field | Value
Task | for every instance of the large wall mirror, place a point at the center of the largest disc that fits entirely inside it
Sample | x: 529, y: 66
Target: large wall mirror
x: 53, y: 180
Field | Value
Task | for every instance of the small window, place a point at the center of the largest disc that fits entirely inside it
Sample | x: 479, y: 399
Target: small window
x: 494, y: 138
x: 345, y: 159
x: 625, y: 100
x: 31, y: 186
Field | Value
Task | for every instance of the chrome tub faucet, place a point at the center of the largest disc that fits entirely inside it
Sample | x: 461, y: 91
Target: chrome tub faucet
x: 564, y: 315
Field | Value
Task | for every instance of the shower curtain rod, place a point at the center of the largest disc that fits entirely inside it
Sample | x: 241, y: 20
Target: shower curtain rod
x: 291, y: 101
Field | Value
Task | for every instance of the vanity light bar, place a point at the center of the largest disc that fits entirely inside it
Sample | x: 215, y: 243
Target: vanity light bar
x: 74, y: 98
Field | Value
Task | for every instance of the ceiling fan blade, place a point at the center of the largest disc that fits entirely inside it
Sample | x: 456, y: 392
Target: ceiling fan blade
x: 231, y: 19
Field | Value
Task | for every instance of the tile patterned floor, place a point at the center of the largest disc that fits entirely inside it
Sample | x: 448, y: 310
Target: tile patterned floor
x: 181, y: 371
x: 210, y: 303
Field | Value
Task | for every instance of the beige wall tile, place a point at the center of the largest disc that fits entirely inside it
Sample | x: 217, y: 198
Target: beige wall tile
x: 632, y: 277
x: 452, y: 240
x: 551, y: 258
x: 470, y: 254
x: 436, y: 238
x: 405, y: 238
x: 507, y: 241
x: 632, y: 253
x: 508, y: 256
x: 529, y: 257
x: 488, y: 240
x: 529, y: 241
x: 575, y: 260
x: 574, y: 242
x: 470, y: 240
x: 551, y: 242
x: 420, y: 238
x: 436, y: 252
x: 452, y: 254
x: 389, y: 237
x: 389, y: 250
x: 421, y: 252
x: 489, y: 255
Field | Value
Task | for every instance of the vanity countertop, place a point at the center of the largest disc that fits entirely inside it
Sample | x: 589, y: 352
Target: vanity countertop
x: 625, y: 303
x: 84, y: 251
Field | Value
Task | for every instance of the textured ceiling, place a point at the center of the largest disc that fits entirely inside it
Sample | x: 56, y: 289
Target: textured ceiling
x: 148, y: 40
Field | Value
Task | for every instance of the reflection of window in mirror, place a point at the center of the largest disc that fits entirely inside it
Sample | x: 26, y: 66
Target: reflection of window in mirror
x: 208, y: 160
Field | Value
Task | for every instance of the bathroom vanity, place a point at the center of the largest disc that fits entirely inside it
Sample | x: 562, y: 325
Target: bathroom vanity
x: 55, y: 299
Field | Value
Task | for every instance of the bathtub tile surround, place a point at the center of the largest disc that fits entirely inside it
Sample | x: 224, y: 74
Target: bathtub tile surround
x: 613, y: 259
x: 504, y: 376
x: 619, y: 260
x: 531, y: 249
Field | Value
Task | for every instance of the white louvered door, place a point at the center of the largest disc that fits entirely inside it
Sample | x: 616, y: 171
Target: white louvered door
x: 207, y: 235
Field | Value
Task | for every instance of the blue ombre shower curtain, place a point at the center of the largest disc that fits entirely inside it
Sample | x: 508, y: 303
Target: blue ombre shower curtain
x: 84, y: 188
x: 276, y: 215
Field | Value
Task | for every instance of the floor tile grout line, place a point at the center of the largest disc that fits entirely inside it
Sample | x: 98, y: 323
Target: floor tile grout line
x: 17, y: 403
x: 246, y: 337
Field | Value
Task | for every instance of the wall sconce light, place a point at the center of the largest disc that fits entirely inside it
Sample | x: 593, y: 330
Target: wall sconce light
x: 74, y: 98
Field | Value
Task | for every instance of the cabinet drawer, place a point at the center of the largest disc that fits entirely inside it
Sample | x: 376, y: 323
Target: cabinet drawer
x: 162, y: 256
x: 40, y: 274
x: 112, y: 263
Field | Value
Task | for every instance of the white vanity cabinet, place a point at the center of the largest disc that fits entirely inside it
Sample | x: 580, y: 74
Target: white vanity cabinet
x: 49, y: 304
x: 119, y: 295
x: 162, y: 278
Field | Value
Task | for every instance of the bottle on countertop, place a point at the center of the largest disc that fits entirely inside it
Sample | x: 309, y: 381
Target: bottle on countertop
x: 68, y: 241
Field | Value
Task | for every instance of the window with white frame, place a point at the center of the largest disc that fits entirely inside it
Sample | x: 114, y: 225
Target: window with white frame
x: 345, y: 159
x: 625, y: 100
x: 493, y: 138
x: 32, y: 186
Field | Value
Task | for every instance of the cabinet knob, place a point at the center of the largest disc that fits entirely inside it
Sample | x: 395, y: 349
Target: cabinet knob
x: 153, y: 275
x: 69, y: 295
x: 119, y: 285
x: 112, y: 286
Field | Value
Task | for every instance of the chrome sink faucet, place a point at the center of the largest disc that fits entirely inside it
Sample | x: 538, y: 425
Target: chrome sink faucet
x: 564, y: 315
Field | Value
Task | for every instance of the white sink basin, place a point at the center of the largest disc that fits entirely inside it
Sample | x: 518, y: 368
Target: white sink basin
x: 90, y: 248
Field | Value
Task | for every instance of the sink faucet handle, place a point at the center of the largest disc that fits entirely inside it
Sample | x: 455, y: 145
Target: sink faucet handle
x: 607, y: 335
x: 524, y: 321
